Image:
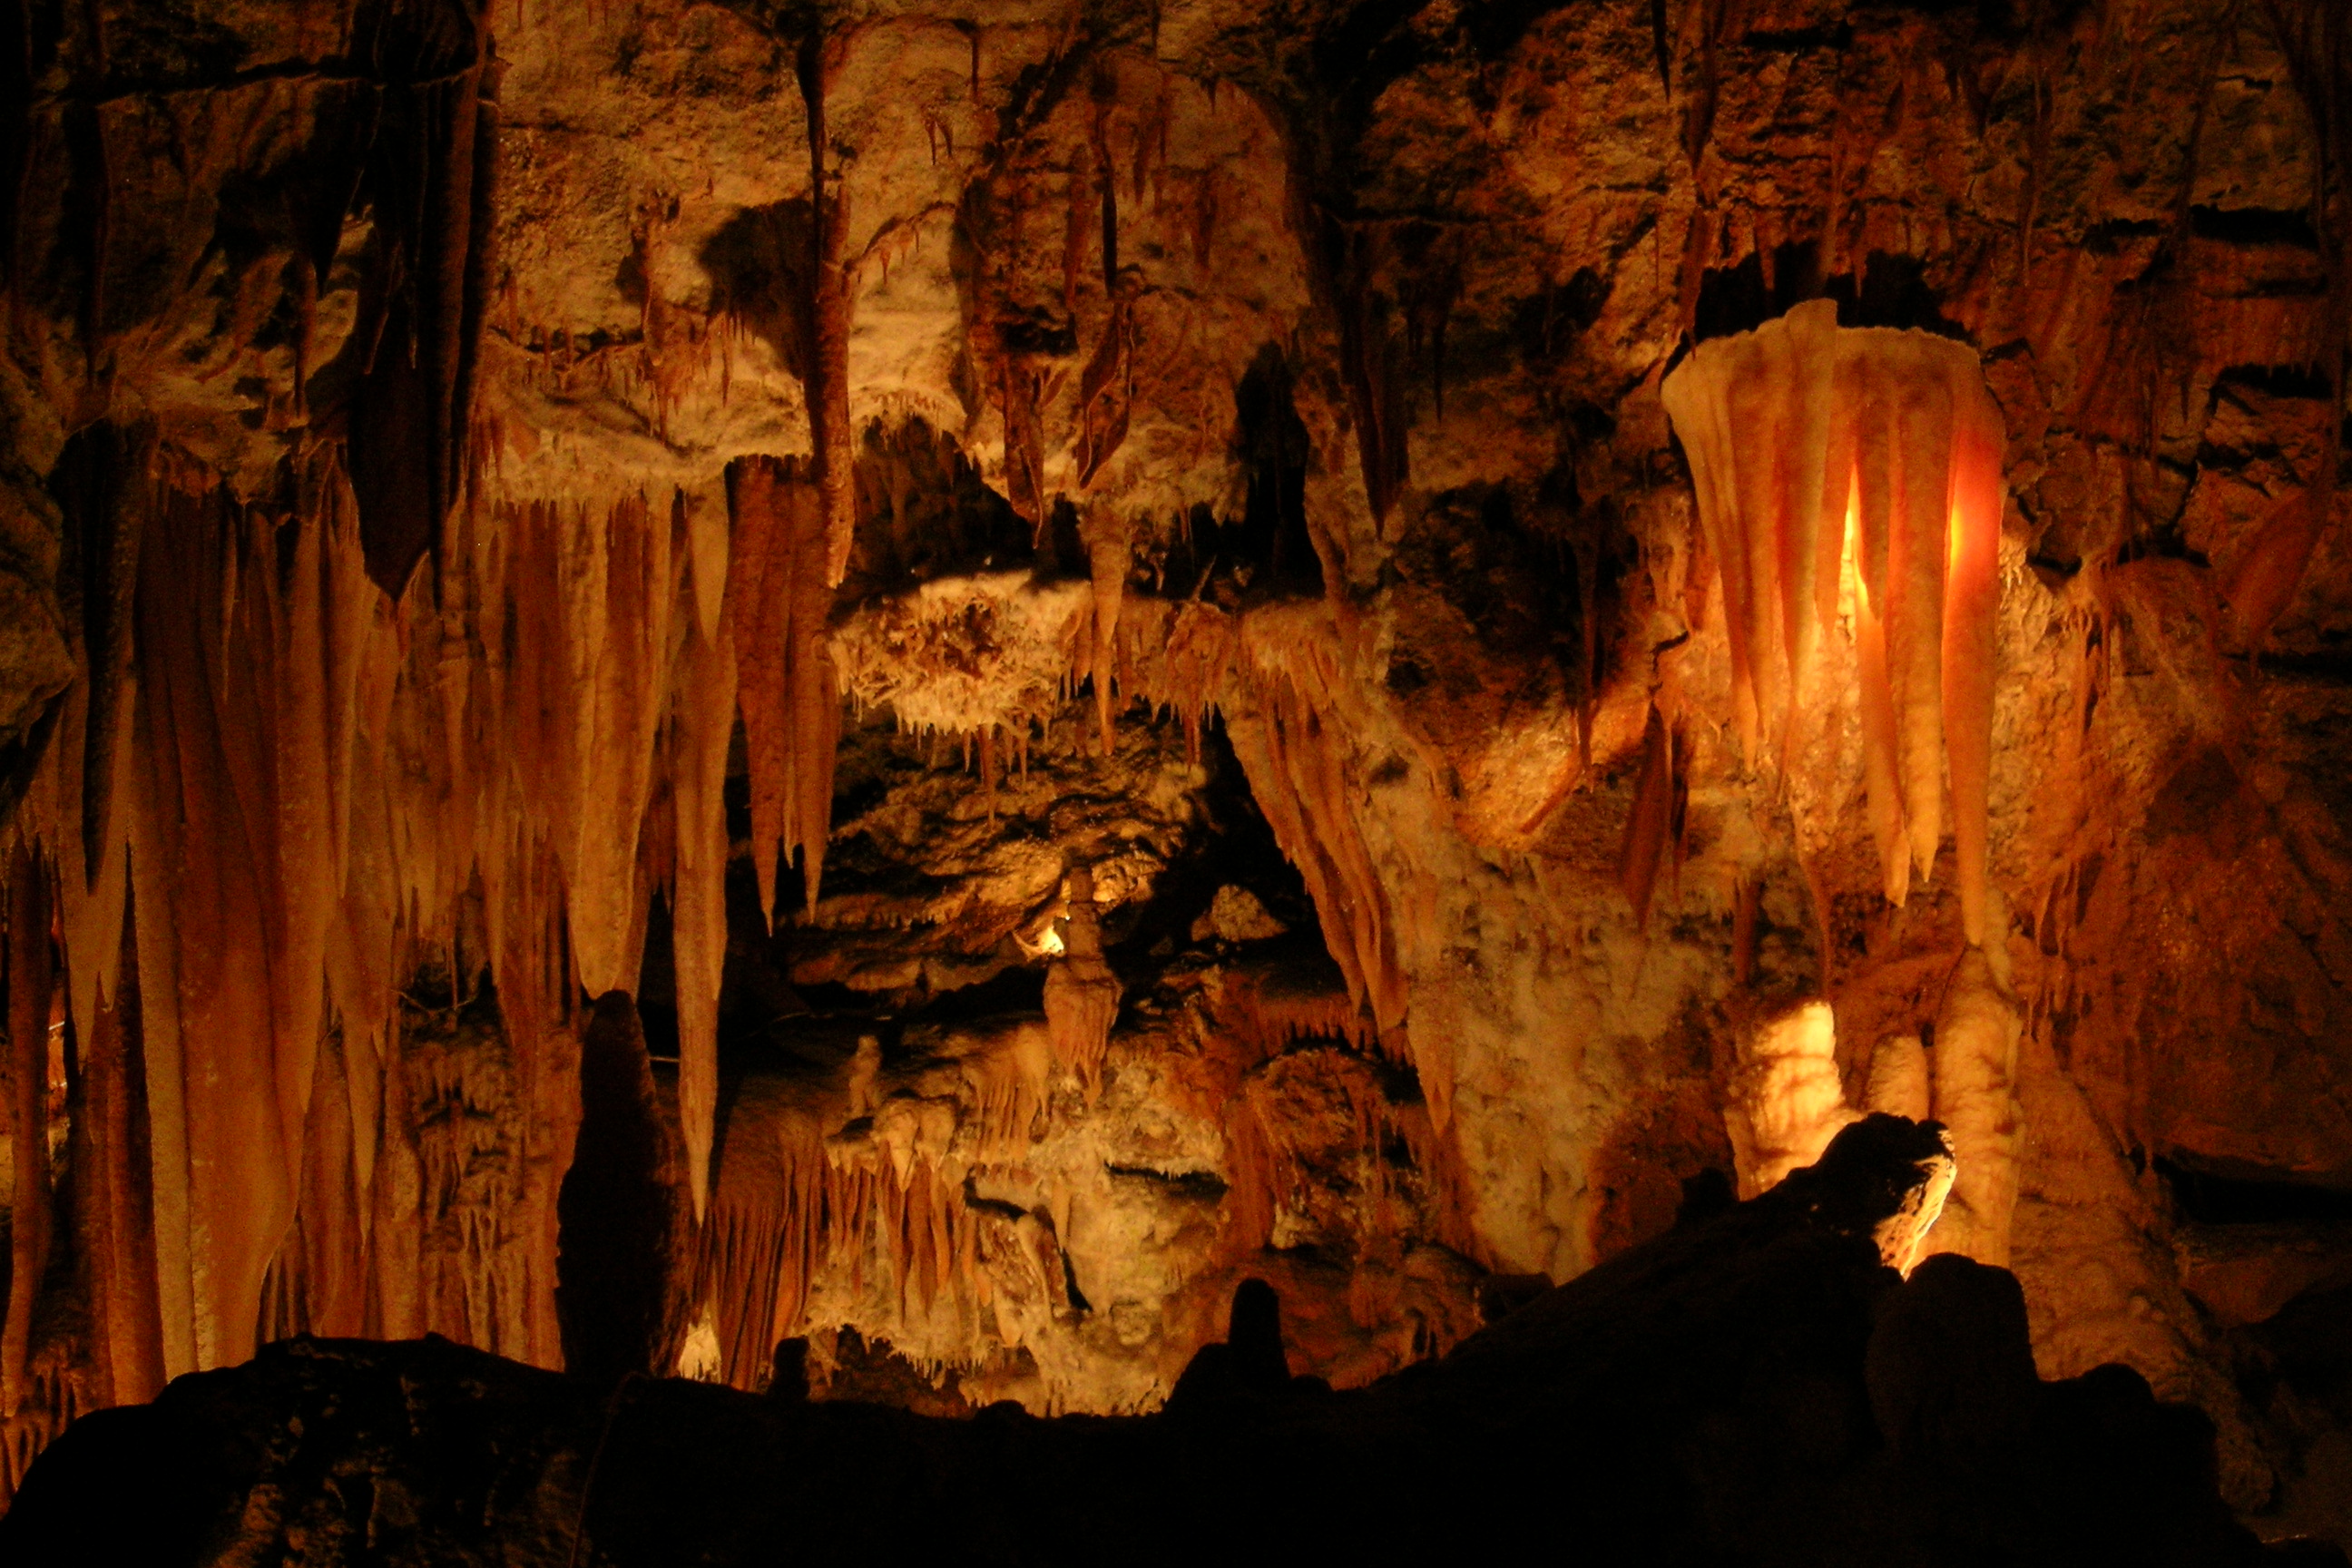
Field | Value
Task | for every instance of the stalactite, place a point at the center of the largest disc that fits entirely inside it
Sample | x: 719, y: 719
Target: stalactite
x: 208, y: 821
x: 1916, y: 553
x: 777, y: 603
x: 827, y: 380
x: 620, y: 650
x: 1299, y: 773
x: 109, y: 524
x: 1106, y: 386
x: 702, y: 725
x: 1195, y: 659
x: 1970, y: 653
x: 412, y: 410
x: 115, y: 1223
x: 1267, y: 1012
x: 1651, y: 823
x: 348, y: 788
x: 1792, y: 428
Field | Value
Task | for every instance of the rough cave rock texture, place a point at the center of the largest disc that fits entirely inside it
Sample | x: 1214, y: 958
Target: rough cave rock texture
x: 680, y: 675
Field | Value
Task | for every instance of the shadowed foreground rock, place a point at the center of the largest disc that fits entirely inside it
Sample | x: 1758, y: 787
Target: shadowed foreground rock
x: 1754, y: 1388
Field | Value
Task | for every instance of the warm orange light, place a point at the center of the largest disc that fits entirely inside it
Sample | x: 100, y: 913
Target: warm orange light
x: 1904, y: 422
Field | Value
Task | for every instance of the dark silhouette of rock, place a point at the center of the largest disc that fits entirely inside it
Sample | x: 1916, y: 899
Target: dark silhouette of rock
x: 1714, y: 1396
x: 1950, y: 1363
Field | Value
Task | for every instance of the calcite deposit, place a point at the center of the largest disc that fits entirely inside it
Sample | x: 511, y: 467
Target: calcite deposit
x: 875, y: 694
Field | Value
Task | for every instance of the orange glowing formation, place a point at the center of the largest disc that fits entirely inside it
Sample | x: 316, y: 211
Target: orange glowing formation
x: 1803, y: 426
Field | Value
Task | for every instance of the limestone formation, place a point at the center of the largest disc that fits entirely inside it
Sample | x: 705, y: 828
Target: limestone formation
x: 932, y: 681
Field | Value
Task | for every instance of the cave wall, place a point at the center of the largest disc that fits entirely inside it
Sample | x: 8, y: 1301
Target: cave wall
x: 429, y: 429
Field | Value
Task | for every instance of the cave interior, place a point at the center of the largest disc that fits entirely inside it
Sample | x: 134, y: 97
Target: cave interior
x: 1351, y: 775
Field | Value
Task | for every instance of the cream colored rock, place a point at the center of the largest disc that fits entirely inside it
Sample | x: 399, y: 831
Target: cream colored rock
x: 1976, y: 1034
x: 1235, y: 914
x: 1787, y: 1102
x: 1898, y: 1083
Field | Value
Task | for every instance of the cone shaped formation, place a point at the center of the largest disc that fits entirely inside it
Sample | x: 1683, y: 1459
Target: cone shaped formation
x: 1804, y: 437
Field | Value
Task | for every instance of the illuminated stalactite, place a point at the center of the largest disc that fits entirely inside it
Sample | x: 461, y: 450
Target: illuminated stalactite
x: 823, y: 1186
x: 362, y: 793
x: 1798, y: 433
x: 618, y: 573
x: 239, y: 1076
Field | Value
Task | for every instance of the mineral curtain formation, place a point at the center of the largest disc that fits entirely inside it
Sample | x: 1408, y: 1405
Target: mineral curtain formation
x: 1823, y: 455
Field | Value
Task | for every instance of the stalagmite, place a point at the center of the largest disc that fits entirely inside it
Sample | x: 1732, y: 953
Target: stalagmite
x: 1898, y: 1080
x: 1977, y: 1035
x: 1081, y: 993
x: 1786, y: 1101
x: 1106, y: 535
x: 1806, y: 441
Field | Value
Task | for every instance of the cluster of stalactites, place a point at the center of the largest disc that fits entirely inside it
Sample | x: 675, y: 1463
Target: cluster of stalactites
x: 857, y: 1193
x: 334, y: 778
x: 1807, y: 441
x: 256, y: 816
